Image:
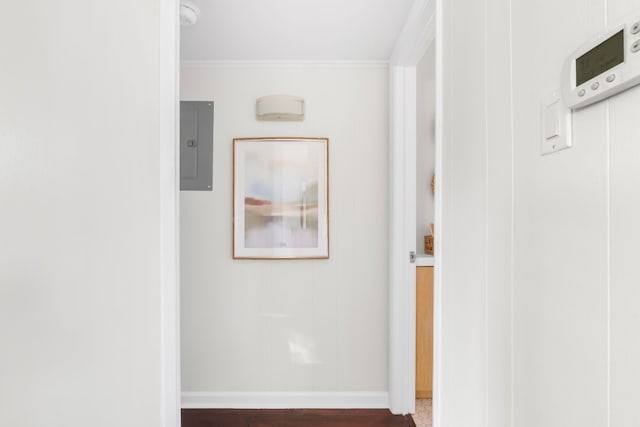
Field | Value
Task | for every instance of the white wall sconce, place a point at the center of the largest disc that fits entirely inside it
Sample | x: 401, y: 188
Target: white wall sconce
x: 280, y: 108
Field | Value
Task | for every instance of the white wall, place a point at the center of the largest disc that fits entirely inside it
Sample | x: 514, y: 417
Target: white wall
x: 242, y: 318
x: 80, y: 276
x: 425, y: 145
x: 538, y: 320
x: 473, y: 266
x: 576, y: 291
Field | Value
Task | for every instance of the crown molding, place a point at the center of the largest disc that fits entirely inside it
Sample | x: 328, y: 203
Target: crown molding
x: 417, y: 35
x: 284, y: 64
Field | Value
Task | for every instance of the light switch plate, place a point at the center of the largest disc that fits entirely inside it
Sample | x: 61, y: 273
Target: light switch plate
x: 555, y: 121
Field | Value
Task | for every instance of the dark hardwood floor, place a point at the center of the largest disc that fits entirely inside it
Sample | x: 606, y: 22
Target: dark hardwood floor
x: 293, y: 418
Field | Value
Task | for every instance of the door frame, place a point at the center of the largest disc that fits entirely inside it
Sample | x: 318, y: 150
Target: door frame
x: 417, y: 36
x: 168, y: 116
x: 419, y: 33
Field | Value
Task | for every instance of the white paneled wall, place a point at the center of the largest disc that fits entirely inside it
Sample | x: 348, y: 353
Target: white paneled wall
x: 536, y: 289
x: 245, y: 322
x: 624, y: 275
x: 575, y: 287
x: 499, y: 213
x: 560, y: 235
x: 539, y: 277
x: 475, y: 259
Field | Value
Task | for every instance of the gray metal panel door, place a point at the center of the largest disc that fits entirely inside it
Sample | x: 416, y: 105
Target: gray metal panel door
x: 196, y: 145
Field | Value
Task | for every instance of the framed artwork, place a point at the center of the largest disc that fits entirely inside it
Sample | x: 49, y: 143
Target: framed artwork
x: 280, y: 198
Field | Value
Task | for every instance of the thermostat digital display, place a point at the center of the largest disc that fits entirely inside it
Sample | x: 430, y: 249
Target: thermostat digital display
x: 604, y: 66
x: 601, y: 58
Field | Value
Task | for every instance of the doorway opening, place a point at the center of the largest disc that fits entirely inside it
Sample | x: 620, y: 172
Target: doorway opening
x: 415, y: 161
x: 404, y: 229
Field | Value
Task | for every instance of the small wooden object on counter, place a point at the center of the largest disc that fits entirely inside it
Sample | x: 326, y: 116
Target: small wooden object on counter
x: 428, y: 242
x: 428, y: 245
x: 424, y: 332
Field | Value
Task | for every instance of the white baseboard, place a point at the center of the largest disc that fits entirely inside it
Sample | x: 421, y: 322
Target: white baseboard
x: 285, y: 400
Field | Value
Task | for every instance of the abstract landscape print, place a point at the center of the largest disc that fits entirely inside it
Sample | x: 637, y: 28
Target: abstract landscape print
x: 281, y: 198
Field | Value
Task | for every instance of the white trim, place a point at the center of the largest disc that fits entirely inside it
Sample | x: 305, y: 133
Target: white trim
x: 285, y: 64
x: 169, y: 34
x: 285, y: 400
x: 402, y: 301
x: 436, y: 408
x: 417, y: 35
x: 512, y: 219
x: 414, y: 40
x: 608, y: 258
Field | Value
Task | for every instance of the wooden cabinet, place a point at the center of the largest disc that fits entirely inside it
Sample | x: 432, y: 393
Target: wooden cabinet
x: 424, y: 332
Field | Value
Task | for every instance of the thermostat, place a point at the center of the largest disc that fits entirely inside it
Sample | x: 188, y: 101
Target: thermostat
x: 604, y: 66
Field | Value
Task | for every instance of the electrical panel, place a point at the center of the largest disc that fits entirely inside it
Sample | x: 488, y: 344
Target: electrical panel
x: 196, y: 145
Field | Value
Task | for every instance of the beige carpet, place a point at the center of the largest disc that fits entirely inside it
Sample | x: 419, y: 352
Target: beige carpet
x: 423, y: 417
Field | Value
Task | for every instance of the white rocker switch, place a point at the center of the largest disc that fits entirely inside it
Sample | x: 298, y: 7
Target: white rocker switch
x: 552, y: 120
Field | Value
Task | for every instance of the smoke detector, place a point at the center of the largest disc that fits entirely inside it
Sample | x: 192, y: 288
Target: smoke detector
x: 189, y: 13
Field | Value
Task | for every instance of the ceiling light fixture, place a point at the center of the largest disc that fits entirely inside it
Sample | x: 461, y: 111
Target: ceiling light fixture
x: 189, y: 13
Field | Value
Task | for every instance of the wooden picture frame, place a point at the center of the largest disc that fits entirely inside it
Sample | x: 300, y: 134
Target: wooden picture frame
x: 280, y: 198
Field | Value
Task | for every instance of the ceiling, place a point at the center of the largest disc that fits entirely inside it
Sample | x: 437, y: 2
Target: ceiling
x: 294, y: 30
